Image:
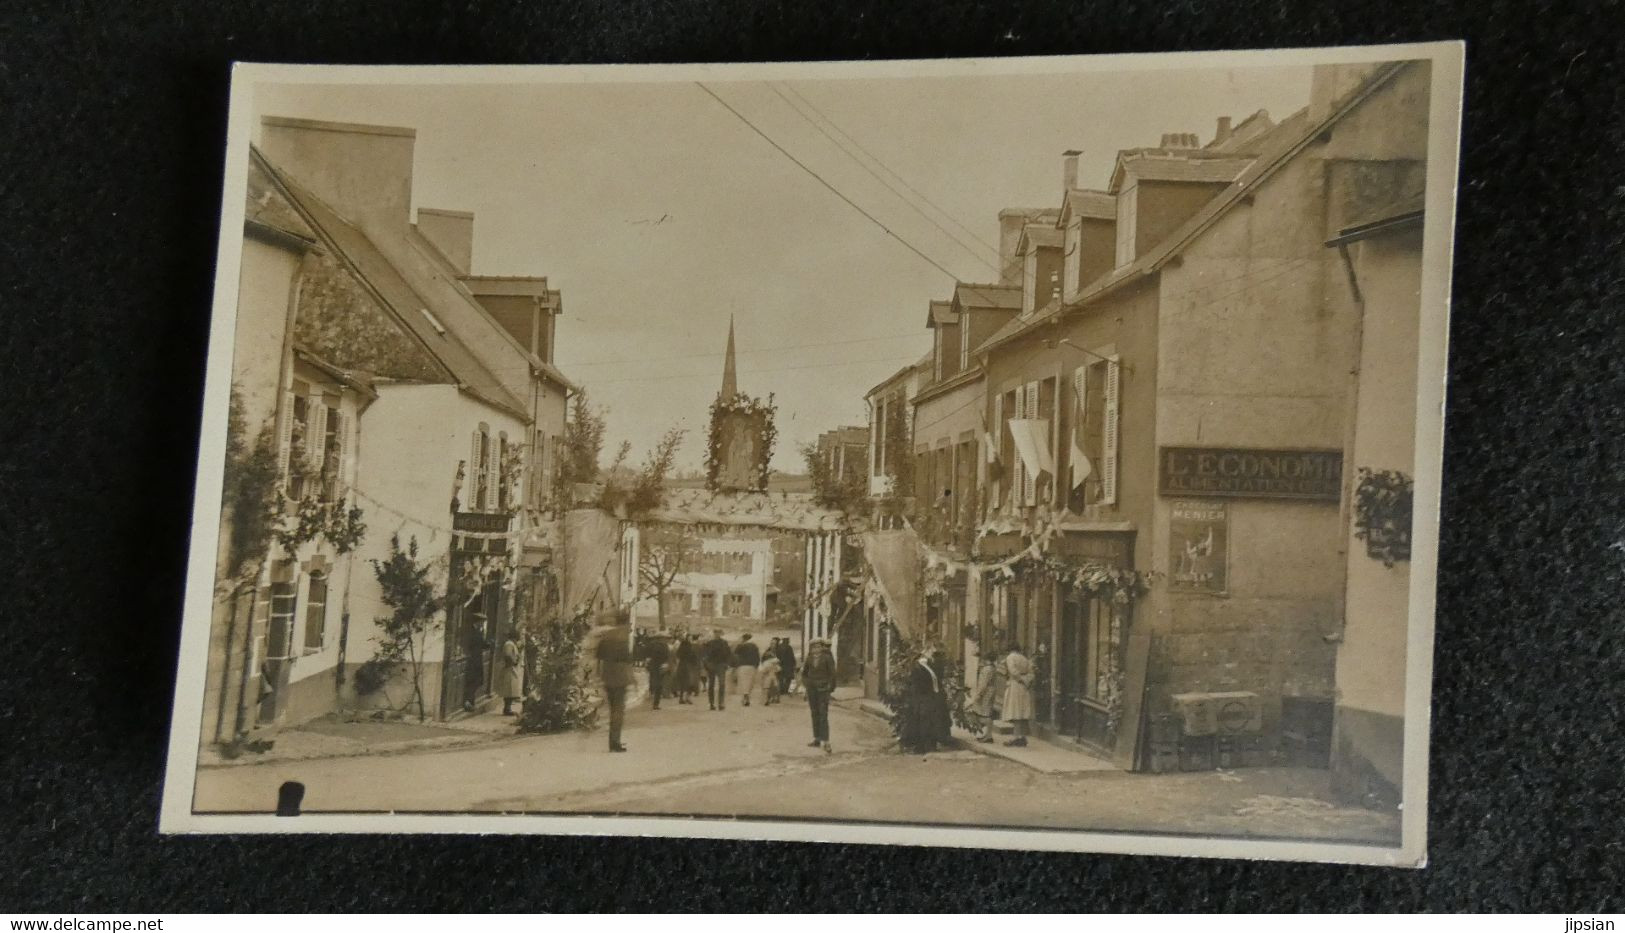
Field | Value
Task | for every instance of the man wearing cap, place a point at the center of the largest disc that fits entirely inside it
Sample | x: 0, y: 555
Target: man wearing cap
x: 717, y: 655
x: 615, y: 667
x: 818, y: 680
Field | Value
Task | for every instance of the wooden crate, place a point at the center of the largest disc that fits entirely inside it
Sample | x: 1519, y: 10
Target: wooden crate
x: 1196, y: 753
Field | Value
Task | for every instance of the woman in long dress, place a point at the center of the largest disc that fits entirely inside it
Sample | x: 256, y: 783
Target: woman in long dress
x: 1018, y: 694
x: 984, y: 702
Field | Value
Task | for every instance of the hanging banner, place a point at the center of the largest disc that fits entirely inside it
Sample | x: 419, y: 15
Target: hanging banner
x: 1199, y: 548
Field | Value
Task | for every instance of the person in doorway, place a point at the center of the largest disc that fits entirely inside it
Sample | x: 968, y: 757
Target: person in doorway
x: 984, y: 701
x: 510, y: 672
x: 1018, y: 694
x: 717, y: 656
x: 686, y: 677
x: 787, y: 665
x: 747, y: 657
x: 614, y: 656
x: 474, y: 645
x: 818, y: 680
x: 768, y: 676
x: 656, y: 655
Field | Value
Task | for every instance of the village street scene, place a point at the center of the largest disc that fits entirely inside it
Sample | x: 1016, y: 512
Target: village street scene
x: 1025, y: 451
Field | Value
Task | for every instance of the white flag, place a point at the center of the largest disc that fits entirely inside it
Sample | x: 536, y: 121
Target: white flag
x: 1082, y: 469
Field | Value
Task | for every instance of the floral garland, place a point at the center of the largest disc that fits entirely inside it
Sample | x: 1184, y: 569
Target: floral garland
x: 337, y: 521
x: 480, y: 570
x: 1097, y: 580
x: 1382, y: 514
x: 756, y: 409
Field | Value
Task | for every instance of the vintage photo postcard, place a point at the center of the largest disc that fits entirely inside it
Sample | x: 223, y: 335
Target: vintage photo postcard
x: 1030, y: 453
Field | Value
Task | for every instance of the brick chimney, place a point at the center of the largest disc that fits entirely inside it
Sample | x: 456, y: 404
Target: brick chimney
x: 1222, y: 132
x: 451, y: 232
x: 1069, y: 170
x: 1178, y: 141
x: 363, y: 172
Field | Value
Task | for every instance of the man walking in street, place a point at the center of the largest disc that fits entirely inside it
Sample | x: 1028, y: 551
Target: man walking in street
x: 747, y: 657
x: 787, y: 664
x: 717, y: 655
x: 818, y: 680
x: 656, y: 655
x: 615, y: 668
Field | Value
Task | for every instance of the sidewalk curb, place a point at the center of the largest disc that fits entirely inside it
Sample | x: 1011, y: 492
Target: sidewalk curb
x: 375, y: 751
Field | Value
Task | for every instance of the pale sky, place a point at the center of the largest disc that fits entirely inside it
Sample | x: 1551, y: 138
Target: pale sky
x: 658, y: 213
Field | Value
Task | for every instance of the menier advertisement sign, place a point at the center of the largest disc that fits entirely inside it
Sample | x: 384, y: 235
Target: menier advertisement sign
x: 1242, y: 472
x: 1199, y: 547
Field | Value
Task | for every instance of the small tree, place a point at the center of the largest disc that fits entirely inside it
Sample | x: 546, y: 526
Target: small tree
x: 830, y: 489
x: 583, y: 444
x: 410, y: 594
x: 250, y: 501
x: 557, y: 698
x: 666, y: 551
x: 644, y: 490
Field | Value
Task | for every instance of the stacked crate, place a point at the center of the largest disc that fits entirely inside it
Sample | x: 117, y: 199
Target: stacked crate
x: 1219, y: 730
x: 1165, y: 736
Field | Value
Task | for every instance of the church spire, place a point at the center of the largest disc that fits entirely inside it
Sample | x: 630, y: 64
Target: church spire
x: 730, y: 384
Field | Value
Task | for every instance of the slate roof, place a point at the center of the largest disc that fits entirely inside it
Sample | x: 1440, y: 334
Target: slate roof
x: 369, y: 264
x: 942, y: 312
x: 1086, y: 202
x: 980, y: 295
x: 1155, y: 165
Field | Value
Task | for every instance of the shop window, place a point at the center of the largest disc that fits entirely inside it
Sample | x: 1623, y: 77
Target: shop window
x: 1100, y: 650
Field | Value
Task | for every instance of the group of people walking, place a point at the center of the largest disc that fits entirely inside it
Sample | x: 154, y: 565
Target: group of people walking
x: 681, y: 665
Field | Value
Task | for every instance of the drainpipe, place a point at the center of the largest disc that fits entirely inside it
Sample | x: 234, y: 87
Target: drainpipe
x: 349, y: 575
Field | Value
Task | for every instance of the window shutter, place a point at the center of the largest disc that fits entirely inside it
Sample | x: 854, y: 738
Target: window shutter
x: 1108, y: 441
x: 1030, y: 475
x: 341, y: 469
x: 315, y: 438
x: 471, y: 476
x: 493, y: 474
x: 996, y: 442
x: 284, y: 444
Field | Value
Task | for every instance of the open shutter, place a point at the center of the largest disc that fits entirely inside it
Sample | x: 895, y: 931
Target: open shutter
x: 471, y: 479
x: 995, y: 446
x: 343, y: 468
x: 1108, y: 441
x: 493, y: 473
x: 1030, y: 474
x: 315, y: 445
x: 284, y: 442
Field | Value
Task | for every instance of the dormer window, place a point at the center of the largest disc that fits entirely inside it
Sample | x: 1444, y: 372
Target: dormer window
x: 964, y: 341
x: 1126, y: 210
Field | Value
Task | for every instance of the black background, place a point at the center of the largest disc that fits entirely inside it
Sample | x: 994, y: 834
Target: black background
x: 112, y: 120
